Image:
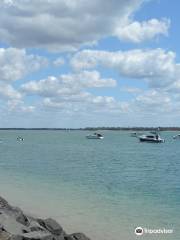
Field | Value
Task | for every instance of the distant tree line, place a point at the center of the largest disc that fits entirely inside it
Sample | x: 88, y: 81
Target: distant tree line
x: 102, y: 128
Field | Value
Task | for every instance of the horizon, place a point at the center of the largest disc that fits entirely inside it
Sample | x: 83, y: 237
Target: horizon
x: 120, y: 68
x: 161, y: 128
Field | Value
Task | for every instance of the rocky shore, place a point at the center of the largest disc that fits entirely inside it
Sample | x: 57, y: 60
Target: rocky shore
x: 16, y: 225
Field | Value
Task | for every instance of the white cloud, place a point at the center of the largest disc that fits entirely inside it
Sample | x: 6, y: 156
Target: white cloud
x: 7, y: 3
x: 58, y: 62
x: 8, y: 92
x: 16, y: 105
x: 67, y: 84
x: 61, y: 24
x: 85, y: 103
x: 69, y: 92
x: 154, y: 101
x: 137, y: 32
x: 131, y: 90
x: 156, y: 67
x: 16, y: 63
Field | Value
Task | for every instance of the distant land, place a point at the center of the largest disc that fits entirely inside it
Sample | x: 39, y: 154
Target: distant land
x: 102, y: 128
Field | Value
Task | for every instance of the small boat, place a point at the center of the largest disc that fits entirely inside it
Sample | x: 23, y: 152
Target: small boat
x: 20, y: 138
x: 176, y: 136
x: 153, y: 138
x: 95, y: 136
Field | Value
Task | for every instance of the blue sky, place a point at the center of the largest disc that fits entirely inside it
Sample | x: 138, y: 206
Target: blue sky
x: 76, y: 64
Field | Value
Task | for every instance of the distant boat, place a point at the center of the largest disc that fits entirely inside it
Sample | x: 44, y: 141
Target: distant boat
x: 95, y: 136
x: 153, y: 138
x: 176, y: 136
x: 20, y: 138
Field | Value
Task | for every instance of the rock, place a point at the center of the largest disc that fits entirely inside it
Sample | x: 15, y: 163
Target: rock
x: 16, y: 237
x: 37, y: 236
x: 4, y: 235
x: 10, y: 224
x: 15, y: 225
x: 51, y: 225
x: 1, y: 228
x: 20, y: 217
x: 60, y: 237
x: 77, y: 236
x: 4, y: 203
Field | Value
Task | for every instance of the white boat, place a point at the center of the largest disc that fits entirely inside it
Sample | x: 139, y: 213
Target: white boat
x: 176, y: 136
x: 153, y: 138
x: 20, y: 138
x: 95, y: 136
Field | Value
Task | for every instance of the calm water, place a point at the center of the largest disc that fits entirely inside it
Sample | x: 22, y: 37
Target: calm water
x: 104, y: 188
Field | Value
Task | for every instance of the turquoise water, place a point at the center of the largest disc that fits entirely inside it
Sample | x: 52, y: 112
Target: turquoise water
x: 105, y: 188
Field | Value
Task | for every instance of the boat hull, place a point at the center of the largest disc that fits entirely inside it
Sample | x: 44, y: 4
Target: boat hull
x: 151, y: 140
x: 94, y: 137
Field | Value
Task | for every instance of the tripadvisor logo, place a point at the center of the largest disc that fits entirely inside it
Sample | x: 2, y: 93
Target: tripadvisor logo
x: 139, y: 231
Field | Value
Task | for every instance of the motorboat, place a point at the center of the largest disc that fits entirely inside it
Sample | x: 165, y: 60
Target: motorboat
x: 153, y: 138
x: 19, y: 138
x: 95, y: 136
x: 176, y: 136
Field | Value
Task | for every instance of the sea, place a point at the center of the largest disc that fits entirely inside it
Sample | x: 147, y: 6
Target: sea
x: 104, y: 188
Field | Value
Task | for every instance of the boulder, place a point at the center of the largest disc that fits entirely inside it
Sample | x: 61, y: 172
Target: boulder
x: 60, y: 237
x: 4, y: 235
x: 15, y: 225
x: 20, y: 217
x: 77, y: 236
x: 37, y: 236
x: 4, y: 203
x: 51, y: 225
x: 16, y: 237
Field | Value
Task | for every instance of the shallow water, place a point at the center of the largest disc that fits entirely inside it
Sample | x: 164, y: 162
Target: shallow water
x: 104, y: 188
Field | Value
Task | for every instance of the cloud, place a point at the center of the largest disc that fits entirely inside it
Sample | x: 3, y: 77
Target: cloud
x: 67, y: 84
x: 85, y: 103
x: 72, y: 92
x: 154, y: 102
x: 58, y: 62
x: 8, y: 92
x: 16, y: 105
x: 137, y: 32
x: 61, y: 25
x: 16, y: 63
x: 83, y: 100
x: 69, y: 92
x: 131, y: 90
x: 156, y: 67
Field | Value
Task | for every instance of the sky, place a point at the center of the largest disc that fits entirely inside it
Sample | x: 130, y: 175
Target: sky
x: 81, y: 63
